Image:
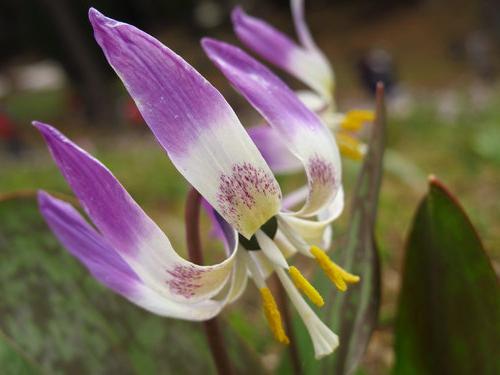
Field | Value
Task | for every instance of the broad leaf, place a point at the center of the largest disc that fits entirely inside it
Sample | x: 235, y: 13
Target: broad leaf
x: 449, y: 308
x: 353, y: 314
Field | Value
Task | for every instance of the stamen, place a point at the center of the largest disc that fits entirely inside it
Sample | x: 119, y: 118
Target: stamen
x: 335, y: 273
x: 273, y: 316
x: 305, y: 286
x: 355, y: 119
x: 349, y: 146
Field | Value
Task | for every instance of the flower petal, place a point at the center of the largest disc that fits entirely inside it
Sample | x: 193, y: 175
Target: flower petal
x: 302, y: 130
x: 107, y: 266
x: 127, y: 228
x: 301, y: 28
x: 88, y: 246
x: 306, y: 64
x: 194, y: 124
x: 318, y: 232
x: 274, y: 150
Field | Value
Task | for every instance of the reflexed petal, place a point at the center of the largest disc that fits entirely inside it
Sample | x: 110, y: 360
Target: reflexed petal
x: 127, y: 228
x: 88, y: 246
x: 274, y: 150
x: 107, y: 266
x: 239, y: 278
x: 194, y: 124
x: 303, y: 132
x: 300, y: 23
x: 306, y: 64
x: 157, y: 303
x: 318, y: 232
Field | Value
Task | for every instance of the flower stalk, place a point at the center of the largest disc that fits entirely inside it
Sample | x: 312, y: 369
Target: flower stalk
x: 212, y: 329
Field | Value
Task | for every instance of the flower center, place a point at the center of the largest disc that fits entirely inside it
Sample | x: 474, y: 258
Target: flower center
x: 270, y: 228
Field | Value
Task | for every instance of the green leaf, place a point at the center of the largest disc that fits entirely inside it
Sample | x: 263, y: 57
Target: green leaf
x: 353, y: 314
x: 449, y: 308
x: 55, y: 313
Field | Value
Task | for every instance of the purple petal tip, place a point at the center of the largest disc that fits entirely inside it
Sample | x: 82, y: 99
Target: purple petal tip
x: 237, y: 13
x: 43, y: 198
x: 46, y: 130
x: 99, y: 20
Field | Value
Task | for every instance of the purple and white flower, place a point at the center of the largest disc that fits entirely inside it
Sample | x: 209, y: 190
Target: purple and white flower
x: 126, y: 251
x: 306, y: 62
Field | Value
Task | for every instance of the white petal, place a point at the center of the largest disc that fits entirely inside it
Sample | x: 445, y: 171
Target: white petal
x: 323, y: 339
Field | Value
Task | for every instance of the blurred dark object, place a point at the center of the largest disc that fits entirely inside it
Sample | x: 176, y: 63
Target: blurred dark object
x: 490, y: 18
x: 479, y: 52
x: 87, y: 74
x: 9, y: 135
x: 377, y: 66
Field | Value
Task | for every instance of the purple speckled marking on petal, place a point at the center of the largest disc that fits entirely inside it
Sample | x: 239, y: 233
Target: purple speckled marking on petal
x: 321, y: 172
x: 240, y: 188
x: 185, y: 280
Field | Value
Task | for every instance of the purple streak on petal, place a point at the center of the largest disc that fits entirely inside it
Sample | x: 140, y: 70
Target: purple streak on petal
x: 111, y: 208
x: 301, y: 27
x: 274, y: 150
x: 263, y: 38
x: 279, y: 105
x: 88, y: 246
x: 175, y: 100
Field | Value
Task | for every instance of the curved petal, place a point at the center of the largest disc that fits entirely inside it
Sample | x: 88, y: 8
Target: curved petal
x: 274, y: 150
x: 239, y: 279
x: 301, y: 28
x: 302, y: 130
x: 306, y: 64
x: 88, y: 246
x: 127, y: 228
x: 318, y: 232
x: 313, y: 101
x: 107, y: 266
x: 194, y: 124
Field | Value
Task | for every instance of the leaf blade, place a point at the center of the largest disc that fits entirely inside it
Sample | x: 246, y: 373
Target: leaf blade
x: 449, y: 304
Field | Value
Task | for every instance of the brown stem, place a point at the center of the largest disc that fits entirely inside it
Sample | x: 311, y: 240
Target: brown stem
x: 293, y: 350
x: 212, y: 329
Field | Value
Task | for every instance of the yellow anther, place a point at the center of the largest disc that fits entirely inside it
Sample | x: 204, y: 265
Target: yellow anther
x: 273, y: 316
x: 335, y: 273
x: 305, y: 286
x: 355, y: 119
x: 349, y: 146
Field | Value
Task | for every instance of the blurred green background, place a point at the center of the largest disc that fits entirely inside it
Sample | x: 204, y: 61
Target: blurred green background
x: 443, y: 118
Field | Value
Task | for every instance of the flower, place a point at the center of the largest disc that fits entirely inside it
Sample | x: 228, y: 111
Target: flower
x: 127, y: 251
x: 307, y: 63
